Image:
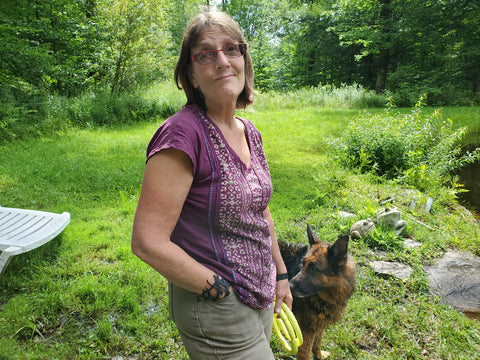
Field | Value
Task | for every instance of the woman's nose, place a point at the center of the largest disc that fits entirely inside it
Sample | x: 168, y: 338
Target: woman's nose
x: 222, y: 59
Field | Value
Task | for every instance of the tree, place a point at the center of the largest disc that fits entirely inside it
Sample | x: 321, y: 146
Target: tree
x: 47, y: 45
x: 136, y: 38
x: 316, y: 54
x: 409, y: 47
x: 374, y: 25
x: 178, y: 14
x: 465, y: 22
x: 262, y: 23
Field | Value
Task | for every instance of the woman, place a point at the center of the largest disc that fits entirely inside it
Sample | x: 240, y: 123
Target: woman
x: 202, y: 219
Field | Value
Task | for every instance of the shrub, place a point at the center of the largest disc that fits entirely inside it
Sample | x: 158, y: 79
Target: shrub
x: 23, y: 116
x: 420, y: 149
x: 102, y: 108
x: 443, y: 88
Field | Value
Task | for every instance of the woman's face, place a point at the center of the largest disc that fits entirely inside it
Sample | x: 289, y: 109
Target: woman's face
x: 223, y: 80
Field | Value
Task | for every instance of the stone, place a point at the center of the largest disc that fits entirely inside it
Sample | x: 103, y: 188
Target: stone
x: 455, y: 278
x: 388, y: 269
x: 345, y: 214
x: 428, y: 205
x: 409, y: 243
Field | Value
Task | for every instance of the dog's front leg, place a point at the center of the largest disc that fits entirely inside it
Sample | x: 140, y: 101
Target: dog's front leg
x: 317, y: 345
x: 305, y: 351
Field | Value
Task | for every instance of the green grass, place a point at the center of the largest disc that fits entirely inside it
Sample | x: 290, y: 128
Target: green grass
x: 84, y: 295
x: 464, y: 116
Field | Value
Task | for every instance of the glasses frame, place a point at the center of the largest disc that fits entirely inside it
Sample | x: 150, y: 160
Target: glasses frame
x: 242, y: 47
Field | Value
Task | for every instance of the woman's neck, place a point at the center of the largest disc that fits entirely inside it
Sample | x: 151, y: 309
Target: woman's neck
x: 222, y: 115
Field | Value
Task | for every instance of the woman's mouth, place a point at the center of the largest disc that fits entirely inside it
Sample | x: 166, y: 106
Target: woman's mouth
x: 225, y: 77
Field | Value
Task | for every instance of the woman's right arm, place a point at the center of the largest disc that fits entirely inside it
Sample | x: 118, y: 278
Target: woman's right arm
x: 166, y: 183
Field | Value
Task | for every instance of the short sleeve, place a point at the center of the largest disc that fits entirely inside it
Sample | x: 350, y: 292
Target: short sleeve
x: 176, y: 133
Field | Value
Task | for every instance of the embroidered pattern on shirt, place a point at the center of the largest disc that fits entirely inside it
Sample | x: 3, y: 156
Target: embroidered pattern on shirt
x: 243, y: 194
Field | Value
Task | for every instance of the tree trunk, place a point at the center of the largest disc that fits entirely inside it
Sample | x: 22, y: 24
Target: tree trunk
x: 476, y: 80
x: 311, y: 81
x: 382, y: 70
x: 384, y: 54
x: 118, y: 77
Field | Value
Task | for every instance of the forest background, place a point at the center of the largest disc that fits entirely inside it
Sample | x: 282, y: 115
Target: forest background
x: 397, y: 48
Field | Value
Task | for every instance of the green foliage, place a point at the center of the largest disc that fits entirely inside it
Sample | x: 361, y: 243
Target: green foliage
x: 422, y: 150
x: 135, y: 42
x: 97, y: 109
x: 409, y: 82
x: 383, y: 239
x: 345, y: 96
x: 50, y: 46
x: 405, y: 48
x: 177, y: 16
x: 40, y: 115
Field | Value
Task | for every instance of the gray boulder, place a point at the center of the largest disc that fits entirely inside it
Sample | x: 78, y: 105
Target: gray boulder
x: 456, y: 279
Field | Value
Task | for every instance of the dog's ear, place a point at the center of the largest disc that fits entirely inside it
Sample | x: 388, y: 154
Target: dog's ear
x: 338, y: 252
x: 311, y: 238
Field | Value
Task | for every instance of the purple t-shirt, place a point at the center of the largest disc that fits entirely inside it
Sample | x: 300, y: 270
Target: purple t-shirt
x: 221, y: 224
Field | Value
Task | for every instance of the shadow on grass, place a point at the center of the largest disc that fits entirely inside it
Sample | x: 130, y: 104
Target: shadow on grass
x: 23, y: 268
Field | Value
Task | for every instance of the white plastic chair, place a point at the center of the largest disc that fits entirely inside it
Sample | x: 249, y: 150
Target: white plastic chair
x: 24, y: 230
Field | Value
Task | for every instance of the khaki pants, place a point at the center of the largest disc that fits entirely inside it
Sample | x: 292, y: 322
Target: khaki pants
x: 222, y: 329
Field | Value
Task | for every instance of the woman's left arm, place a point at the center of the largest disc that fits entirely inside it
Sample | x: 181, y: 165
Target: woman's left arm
x: 282, y: 291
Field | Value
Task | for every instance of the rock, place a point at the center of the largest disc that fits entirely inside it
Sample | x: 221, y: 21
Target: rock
x: 388, y: 269
x: 389, y: 218
x: 345, y: 214
x: 411, y: 243
x: 428, y: 205
x: 413, y: 204
x: 456, y: 279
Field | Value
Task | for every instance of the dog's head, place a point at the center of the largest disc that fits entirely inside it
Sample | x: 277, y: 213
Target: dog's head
x: 322, y: 266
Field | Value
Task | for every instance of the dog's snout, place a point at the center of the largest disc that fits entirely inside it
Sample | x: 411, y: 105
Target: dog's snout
x: 299, y: 286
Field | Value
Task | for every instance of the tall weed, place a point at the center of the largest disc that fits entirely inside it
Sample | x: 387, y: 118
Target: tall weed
x: 102, y: 108
x: 422, y: 150
x: 42, y: 115
x: 327, y: 96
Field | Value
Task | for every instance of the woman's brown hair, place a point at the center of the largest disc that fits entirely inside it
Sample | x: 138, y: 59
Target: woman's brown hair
x: 201, y: 23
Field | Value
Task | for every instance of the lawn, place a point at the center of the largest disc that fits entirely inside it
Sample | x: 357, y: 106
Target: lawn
x: 84, y: 295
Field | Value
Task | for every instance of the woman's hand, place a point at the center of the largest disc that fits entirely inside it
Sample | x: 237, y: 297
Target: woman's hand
x: 283, y: 294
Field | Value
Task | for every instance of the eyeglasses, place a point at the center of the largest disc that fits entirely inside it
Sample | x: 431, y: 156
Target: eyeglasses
x: 231, y: 51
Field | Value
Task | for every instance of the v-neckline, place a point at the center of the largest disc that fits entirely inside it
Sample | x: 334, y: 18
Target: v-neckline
x: 235, y: 154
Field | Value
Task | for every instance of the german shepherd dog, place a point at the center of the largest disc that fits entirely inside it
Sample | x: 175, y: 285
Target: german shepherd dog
x: 322, y: 278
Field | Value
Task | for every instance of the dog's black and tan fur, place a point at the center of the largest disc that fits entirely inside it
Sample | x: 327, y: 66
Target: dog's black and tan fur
x: 322, y: 278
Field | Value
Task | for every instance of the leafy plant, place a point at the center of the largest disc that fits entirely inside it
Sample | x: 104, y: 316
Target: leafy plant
x: 383, y: 239
x: 421, y: 150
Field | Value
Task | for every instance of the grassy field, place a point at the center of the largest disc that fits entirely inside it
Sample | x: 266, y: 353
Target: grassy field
x: 85, y: 296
